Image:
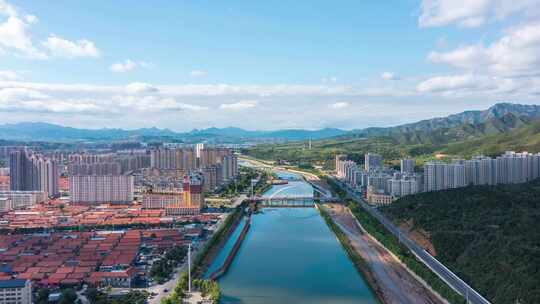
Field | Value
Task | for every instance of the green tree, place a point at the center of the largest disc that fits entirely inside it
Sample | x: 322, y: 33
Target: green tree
x: 68, y: 296
x: 42, y: 296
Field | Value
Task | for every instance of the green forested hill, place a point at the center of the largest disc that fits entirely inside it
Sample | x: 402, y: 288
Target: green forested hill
x: 489, y: 140
x: 526, y: 138
x: 490, y: 236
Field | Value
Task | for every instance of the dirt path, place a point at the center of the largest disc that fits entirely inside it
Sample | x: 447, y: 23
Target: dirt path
x: 396, y: 284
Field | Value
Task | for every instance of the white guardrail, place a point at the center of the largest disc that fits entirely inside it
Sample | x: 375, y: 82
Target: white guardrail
x: 455, y: 282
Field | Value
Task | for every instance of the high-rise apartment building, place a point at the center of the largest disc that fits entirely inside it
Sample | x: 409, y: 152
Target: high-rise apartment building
x: 15, y: 291
x: 106, y: 168
x: 96, y: 189
x: 33, y: 172
x: 372, y: 162
x: 198, y: 148
x: 175, y: 159
x: 440, y: 176
x: 407, y: 165
x: 133, y: 162
x: 192, y: 188
x: 379, y: 181
x: 217, y: 165
x: 229, y: 165
x: 401, y: 185
x: 340, y: 158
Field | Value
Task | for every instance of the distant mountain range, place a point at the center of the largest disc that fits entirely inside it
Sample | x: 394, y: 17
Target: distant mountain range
x: 39, y: 131
x: 498, y: 119
x: 526, y: 138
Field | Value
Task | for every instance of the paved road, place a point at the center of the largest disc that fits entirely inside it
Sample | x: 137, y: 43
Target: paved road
x: 169, y: 285
x: 238, y: 201
x: 437, y: 267
x: 396, y: 284
x: 82, y: 297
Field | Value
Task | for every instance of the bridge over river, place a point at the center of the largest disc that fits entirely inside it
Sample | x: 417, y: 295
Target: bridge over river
x: 297, y: 193
x: 284, y: 256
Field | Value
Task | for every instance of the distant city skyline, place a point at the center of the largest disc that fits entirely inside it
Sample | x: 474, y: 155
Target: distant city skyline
x: 263, y: 65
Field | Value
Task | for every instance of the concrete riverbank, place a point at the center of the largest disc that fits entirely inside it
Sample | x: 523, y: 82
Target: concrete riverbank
x: 234, y: 250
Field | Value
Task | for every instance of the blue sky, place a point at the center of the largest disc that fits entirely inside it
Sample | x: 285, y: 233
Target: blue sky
x: 263, y: 64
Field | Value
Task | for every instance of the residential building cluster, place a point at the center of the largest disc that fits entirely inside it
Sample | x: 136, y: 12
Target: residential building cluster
x: 113, y: 178
x: 72, y: 215
x: 122, y: 162
x: 382, y: 185
x: 102, y: 178
x: 188, y: 200
x: 101, y: 189
x: 31, y: 171
x: 98, y: 258
x: 217, y: 165
x: 509, y: 168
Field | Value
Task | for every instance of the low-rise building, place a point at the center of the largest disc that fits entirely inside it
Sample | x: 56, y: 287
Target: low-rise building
x: 115, y: 278
x: 22, y: 199
x: 378, y: 198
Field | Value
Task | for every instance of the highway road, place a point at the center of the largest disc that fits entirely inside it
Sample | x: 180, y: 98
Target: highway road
x: 432, y: 263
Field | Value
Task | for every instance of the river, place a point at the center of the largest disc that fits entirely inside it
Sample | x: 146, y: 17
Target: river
x: 290, y: 256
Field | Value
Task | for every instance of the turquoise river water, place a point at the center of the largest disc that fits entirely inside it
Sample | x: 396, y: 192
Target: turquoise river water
x: 290, y: 256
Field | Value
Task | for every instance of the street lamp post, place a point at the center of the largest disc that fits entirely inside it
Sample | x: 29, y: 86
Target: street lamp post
x: 189, y: 268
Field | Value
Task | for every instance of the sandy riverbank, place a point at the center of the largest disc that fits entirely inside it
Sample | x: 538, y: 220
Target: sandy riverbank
x: 393, y: 282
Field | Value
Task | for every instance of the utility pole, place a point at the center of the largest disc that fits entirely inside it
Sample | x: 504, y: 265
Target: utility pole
x: 189, y: 267
x: 253, y: 183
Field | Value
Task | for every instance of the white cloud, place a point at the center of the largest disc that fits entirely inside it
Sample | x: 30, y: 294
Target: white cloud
x: 125, y: 66
x: 446, y: 83
x: 129, y: 65
x: 389, y: 76
x: 144, y: 105
x: 211, y: 90
x: 516, y: 53
x: 17, y: 94
x: 198, y: 73
x: 16, y: 38
x: 470, y: 13
x: 331, y: 79
x: 7, y: 9
x: 155, y: 104
x: 240, y: 105
x: 9, y: 75
x: 60, y: 47
x: 140, y: 88
x: 27, y: 100
x: 484, y: 86
x: 31, y: 19
x: 339, y: 105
